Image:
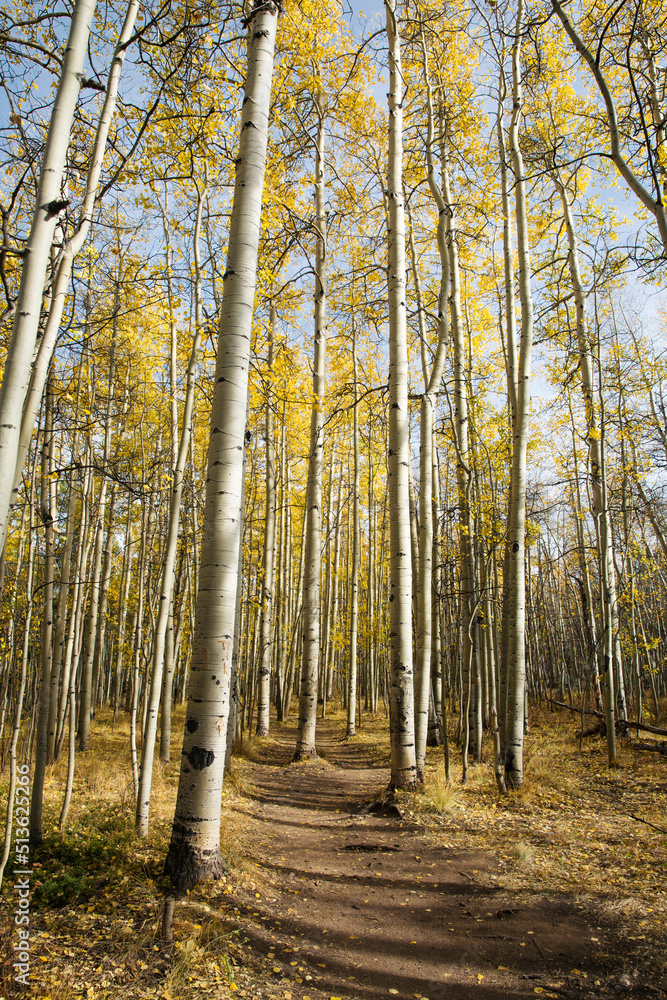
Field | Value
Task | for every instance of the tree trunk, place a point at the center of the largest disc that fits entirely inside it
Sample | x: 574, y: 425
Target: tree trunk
x: 516, y: 526
x: 268, y: 582
x: 194, y: 851
x: 169, y: 559
x: 61, y: 281
x: 47, y: 511
x: 354, y: 568
x: 310, y: 656
x: 403, y: 755
x: 594, y: 437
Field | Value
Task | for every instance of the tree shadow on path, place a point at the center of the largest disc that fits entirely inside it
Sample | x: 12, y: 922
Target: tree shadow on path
x: 357, y: 905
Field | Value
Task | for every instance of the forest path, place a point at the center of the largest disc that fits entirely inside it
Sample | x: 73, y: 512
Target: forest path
x: 351, y: 904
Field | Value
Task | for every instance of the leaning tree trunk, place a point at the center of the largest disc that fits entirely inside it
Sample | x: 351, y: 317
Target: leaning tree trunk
x: 194, y: 851
x: 403, y: 756
x: 61, y: 281
x: 50, y: 204
x: 310, y: 656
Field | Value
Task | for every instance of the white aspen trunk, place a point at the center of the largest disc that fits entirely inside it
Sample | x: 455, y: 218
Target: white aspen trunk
x: 335, y: 594
x: 512, y: 390
x: 100, y: 639
x: 597, y: 482
x: 268, y: 583
x: 74, y: 627
x: 587, y: 614
x: 23, y: 672
x: 493, y: 707
x: 354, y: 569
x: 37, y: 254
x: 85, y: 701
x: 435, y: 718
x: 310, y: 655
x: 194, y: 851
x: 137, y: 630
x: 61, y: 612
x: 122, y: 611
x: 469, y: 631
x: 47, y: 511
x: 326, y: 603
x: 169, y: 558
x: 370, y: 571
x: 403, y: 756
x: 516, y: 527
x: 61, y: 282
x: 87, y: 675
x: 432, y: 382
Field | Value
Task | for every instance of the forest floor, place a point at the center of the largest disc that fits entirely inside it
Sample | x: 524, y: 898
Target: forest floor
x: 558, y: 890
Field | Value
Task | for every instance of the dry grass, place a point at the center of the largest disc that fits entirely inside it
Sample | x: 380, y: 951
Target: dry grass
x: 97, y: 891
x: 238, y: 779
x: 254, y: 747
x: 523, y: 853
x: 570, y: 828
x: 440, y: 795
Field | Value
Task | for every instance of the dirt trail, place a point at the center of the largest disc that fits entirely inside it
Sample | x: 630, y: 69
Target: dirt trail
x: 367, y: 906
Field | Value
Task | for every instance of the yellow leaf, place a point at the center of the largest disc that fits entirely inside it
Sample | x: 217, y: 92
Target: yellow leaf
x: 480, y: 977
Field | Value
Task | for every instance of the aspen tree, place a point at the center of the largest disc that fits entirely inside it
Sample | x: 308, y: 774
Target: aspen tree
x: 47, y: 512
x: 169, y: 557
x: 461, y: 430
x: 516, y: 521
x: 86, y: 703
x: 510, y: 353
x: 598, y: 485
x: 37, y: 253
x: 403, y: 756
x: 194, y: 851
x: 268, y: 583
x: 354, y: 568
x: 22, y: 678
x: 652, y: 202
x: 73, y: 246
x: 310, y: 655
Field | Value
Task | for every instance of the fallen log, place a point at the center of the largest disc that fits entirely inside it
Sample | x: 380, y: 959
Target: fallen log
x: 653, y: 746
x: 629, y: 723
x: 599, y: 729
